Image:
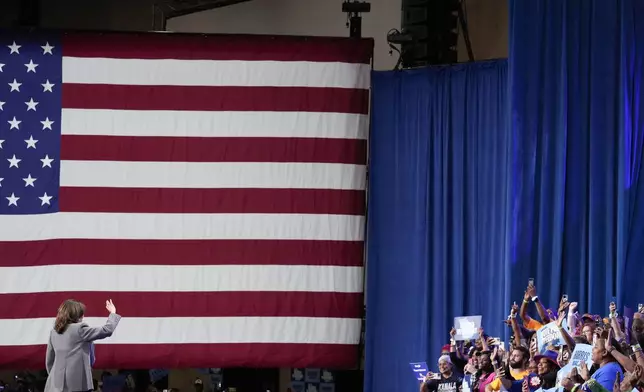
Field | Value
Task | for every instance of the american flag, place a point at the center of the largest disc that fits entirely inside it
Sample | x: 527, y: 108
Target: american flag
x: 212, y: 186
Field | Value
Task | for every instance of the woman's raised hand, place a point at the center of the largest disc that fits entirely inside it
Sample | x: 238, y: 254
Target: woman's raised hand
x: 109, y: 305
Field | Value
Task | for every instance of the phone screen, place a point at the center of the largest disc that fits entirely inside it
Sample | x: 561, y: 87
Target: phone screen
x: 531, y: 282
x: 564, y: 297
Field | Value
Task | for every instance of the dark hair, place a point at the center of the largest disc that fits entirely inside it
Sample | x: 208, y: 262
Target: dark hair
x: 549, y: 380
x: 580, y: 340
x: 69, y: 312
x: 525, y: 352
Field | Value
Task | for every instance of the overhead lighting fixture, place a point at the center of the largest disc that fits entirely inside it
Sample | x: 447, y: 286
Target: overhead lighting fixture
x: 354, y: 10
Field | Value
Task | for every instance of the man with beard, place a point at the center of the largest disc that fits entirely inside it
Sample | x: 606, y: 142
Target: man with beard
x: 447, y: 381
x: 519, y: 359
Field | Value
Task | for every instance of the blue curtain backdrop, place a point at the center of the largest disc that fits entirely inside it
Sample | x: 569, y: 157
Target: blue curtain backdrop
x: 577, y: 184
x: 437, y: 215
x: 465, y: 207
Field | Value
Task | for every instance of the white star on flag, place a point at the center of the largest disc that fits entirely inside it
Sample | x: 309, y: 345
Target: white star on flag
x: 31, y: 105
x: 31, y: 67
x: 46, y: 161
x: 15, y: 124
x: 1, y: 182
x: 47, y: 124
x: 14, y: 48
x: 31, y: 143
x: 47, y: 49
x: 45, y: 199
x: 1, y: 141
x: 13, y: 200
x: 1, y: 66
x: 2, y: 105
x: 29, y: 181
x: 47, y: 87
x: 13, y: 161
x: 15, y: 86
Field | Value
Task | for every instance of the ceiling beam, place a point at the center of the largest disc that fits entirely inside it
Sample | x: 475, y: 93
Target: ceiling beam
x: 174, y: 8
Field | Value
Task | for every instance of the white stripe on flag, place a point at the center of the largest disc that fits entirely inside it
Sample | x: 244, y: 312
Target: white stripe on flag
x: 307, y: 330
x: 182, y: 226
x: 214, y: 124
x: 215, y: 73
x: 180, y: 278
x: 212, y: 175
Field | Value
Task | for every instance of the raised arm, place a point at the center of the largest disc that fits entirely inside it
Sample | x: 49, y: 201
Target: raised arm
x: 570, y: 342
x: 486, y: 346
x: 619, y: 335
x: 90, y: 334
x: 572, y: 317
x: 516, y: 331
x: 523, y: 312
x: 541, y: 310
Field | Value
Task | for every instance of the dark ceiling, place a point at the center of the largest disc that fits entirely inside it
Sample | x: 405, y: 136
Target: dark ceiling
x: 138, y: 15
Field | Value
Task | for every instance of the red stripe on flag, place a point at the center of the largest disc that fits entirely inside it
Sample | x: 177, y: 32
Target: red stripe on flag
x: 151, y: 356
x: 185, y: 252
x: 215, y: 98
x: 212, y: 149
x: 217, y: 47
x: 190, y: 304
x: 229, y: 201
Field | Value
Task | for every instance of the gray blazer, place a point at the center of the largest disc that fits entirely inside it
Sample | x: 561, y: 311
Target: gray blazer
x: 68, y: 356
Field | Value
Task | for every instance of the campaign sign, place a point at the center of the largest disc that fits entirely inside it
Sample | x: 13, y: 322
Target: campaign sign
x: 467, y: 328
x: 420, y: 370
x: 467, y: 383
x: 582, y: 353
x: 549, y: 335
x: 564, y: 372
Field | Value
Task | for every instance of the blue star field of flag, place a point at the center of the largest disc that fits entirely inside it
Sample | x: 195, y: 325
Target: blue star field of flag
x: 30, y: 121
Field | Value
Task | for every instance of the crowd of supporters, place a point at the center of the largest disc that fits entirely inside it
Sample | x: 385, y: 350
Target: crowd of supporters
x: 614, y: 344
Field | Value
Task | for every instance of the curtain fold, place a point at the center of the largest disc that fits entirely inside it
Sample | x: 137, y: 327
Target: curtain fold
x: 436, y: 216
x: 632, y: 209
x: 576, y: 183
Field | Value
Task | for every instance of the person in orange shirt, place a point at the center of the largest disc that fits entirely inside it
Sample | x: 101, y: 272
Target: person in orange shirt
x: 528, y: 322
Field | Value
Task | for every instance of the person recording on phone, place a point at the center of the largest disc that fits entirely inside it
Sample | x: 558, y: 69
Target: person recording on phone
x: 70, y: 354
x: 446, y: 381
x: 529, y: 297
